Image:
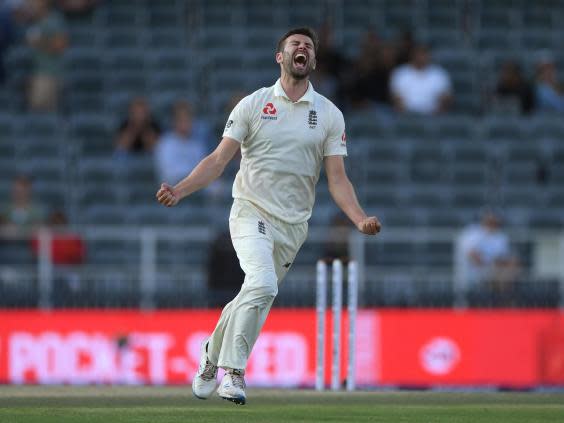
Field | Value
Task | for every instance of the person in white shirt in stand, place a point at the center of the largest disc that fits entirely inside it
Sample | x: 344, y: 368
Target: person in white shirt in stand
x: 285, y: 133
x: 420, y: 87
x: 181, y: 148
x: 485, y: 254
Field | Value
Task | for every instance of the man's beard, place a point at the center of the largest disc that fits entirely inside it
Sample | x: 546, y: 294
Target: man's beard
x: 293, y: 72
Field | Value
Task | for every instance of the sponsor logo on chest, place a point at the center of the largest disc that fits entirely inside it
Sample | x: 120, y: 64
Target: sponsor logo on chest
x: 269, y: 112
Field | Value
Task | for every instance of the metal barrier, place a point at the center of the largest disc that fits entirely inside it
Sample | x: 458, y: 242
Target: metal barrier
x: 397, y: 267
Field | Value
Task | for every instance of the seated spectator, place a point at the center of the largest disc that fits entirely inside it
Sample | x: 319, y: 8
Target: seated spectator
x: 372, y: 71
x: 330, y: 66
x: 404, y: 45
x: 485, y: 255
x: 419, y: 86
x: 337, y: 242
x: 139, y: 132
x: 7, y: 34
x: 23, y: 212
x: 48, y: 40
x: 548, y: 90
x: 180, y: 150
x: 513, y: 86
x: 77, y: 8
x: 225, y: 276
x: 66, y: 248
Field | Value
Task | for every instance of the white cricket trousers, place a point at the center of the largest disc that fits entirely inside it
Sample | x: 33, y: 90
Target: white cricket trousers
x: 266, y: 248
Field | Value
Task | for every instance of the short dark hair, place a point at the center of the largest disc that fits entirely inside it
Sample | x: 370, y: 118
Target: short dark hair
x: 181, y: 106
x: 307, y: 31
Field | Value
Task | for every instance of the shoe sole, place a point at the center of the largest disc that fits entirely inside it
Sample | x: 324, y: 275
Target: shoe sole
x: 236, y: 400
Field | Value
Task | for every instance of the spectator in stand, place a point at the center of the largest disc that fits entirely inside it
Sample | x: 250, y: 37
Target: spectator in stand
x: 66, y: 248
x: 77, y: 8
x: 420, y: 87
x: 181, y: 149
x: 6, y: 36
x: 48, y: 41
x: 485, y: 255
x: 372, y: 70
x: 225, y: 276
x: 23, y: 212
x: 139, y: 132
x: 337, y: 242
x: 330, y: 67
x: 512, y: 86
x: 548, y: 90
x: 404, y: 46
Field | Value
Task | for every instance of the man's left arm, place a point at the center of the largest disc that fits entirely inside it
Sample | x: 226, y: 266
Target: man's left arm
x: 446, y: 97
x: 342, y: 191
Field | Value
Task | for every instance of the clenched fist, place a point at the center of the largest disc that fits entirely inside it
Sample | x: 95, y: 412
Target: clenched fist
x: 369, y: 226
x: 166, y: 195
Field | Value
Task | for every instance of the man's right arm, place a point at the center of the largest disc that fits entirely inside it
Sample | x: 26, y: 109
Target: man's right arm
x: 207, y: 171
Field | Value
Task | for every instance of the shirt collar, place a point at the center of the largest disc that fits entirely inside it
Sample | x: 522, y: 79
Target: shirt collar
x: 308, y: 96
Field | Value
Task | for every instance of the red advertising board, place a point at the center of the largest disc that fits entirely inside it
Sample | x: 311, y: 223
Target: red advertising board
x: 447, y: 347
x: 394, y: 347
x: 133, y: 347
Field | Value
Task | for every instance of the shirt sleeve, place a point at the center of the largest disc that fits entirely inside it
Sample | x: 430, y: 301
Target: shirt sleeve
x: 444, y: 84
x: 237, y: 126
x: 336, y: 141
x: 395, y: 82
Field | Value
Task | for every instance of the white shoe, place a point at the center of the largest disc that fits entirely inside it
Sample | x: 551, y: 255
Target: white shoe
x: 205, y: 381
x: 232, y: 386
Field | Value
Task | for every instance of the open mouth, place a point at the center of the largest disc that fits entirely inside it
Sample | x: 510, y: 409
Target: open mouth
x: 300, y: 60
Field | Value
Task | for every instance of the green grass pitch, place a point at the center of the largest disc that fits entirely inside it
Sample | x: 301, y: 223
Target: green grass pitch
x: 176, y: 404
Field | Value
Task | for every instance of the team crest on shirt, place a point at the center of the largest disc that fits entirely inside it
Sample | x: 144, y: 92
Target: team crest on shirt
x: 312, y: 119
x: 269, y: 112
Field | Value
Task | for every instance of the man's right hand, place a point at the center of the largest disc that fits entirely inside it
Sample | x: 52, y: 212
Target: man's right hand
x: 166, y: 195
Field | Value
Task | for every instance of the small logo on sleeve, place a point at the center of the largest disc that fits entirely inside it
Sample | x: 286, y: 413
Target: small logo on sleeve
x: 287, y: 265
x: 228, y: 124
x: 269, y: 112
x: 261, y: 227
x: 344, y: 139
x: 312, y: 119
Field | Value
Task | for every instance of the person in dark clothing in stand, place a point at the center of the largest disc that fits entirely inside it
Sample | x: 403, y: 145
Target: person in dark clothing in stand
x: 224, y: 273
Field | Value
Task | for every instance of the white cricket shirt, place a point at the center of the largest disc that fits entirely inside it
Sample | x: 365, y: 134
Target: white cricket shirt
x: 282, y: 148
x: 420, y: 89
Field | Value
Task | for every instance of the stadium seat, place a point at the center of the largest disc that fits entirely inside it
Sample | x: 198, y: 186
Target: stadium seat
x: 52, y: 195
x: 411, y: 171
x: 147, y: 213
x: 85, y: 83
x: 120, y: 38
x: 18, y: 288
x: 9, y: 168
x: 497, y: 40
x: 182, y: 288
x: 170, y: 37
x: 427, y: 163
x: 96, y: 192
x: 390, y: 253
x: 45, y: 148
x: 503, y: 129
x: 91, y: 135
x: 47, y: 169
x: 103, y: 214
